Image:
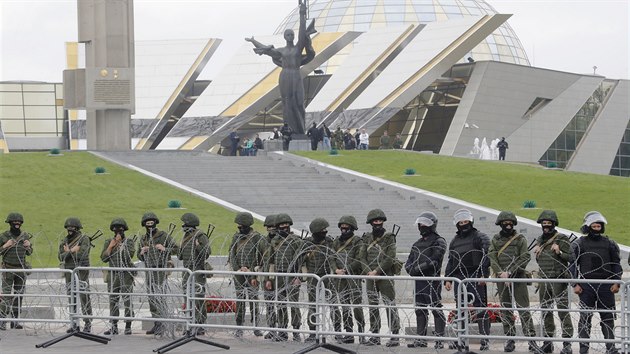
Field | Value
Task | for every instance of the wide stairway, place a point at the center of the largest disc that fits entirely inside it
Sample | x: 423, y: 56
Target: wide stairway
x: 286, y: 183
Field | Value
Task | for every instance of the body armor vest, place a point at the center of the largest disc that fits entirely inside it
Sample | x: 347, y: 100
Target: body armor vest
x: 594, y: 257
x: 466, y: 255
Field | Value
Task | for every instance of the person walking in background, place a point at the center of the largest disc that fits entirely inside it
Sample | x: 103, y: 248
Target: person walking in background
x: 502, y: 146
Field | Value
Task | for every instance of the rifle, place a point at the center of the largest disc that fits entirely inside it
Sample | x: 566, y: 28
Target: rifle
x: 171, y: 228
x: 395, y: 230
x: 304, y: 234
x: 210, y: 230
x: 531, y: 245
x: 94, y: 237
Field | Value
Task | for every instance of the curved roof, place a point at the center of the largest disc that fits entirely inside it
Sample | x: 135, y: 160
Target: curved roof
x: 360, y: 15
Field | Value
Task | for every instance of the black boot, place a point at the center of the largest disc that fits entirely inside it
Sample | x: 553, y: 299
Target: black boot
x: 509, y: 346
x: 127, y: 328
x: 112, y: 331
x: 87, y: 328
x: 566, y: 348
x: 534, y: 348
x: 547, y: 347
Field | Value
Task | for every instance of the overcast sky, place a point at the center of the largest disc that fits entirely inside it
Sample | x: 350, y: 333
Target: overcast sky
x: 566, y: 35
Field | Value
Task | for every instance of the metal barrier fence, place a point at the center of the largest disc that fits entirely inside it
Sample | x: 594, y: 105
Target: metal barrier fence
x: 231, y: 298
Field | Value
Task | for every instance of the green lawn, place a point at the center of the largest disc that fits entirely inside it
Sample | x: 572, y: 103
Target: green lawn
x: 501, y: 185
x: 47, y: 190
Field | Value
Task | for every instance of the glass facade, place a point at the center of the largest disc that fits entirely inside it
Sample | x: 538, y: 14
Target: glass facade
x: 561, y: 150
x: 345, y: 15
x: 32, y: 109
x: 621, y: 164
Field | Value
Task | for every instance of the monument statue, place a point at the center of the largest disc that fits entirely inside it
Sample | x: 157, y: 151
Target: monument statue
x: 290, y: 58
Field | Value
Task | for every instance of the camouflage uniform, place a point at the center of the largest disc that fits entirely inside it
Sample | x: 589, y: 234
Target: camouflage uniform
x: 338, y: 139
x: 285, y: 257
x: 154, y: 258
x: 513, y: 260
x: 81, y: 258
x: 317, y: 256
x: 247, y: 250
x: 269, y: 294
x: 380, y: 253
x: 350, y: 258
x: 554, y: 266
x: 193, y: 252
x: 119, y: 283
x: 13, y: 257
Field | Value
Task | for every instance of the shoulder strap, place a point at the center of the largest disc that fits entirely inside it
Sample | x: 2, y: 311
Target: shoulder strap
x: 507, y: 244
x: 343, y: 247
x: 547, y: 243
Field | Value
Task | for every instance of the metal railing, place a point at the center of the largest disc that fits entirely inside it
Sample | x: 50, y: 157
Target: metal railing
x: 322, y: 325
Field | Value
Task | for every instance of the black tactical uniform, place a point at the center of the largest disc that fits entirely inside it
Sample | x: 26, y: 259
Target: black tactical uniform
x: 468, y: 258
x: 425, y: 260
x: 596, y: 257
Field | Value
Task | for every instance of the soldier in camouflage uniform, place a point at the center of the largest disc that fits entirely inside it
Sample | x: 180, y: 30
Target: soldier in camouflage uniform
x: 15, y: 246
x: 553, y: 254
x: 155, y: 250
x: 338, y: 138
x: 246, y: 255
x: 74, y: 251
x: 379, y: 248
x: 508, y: 259
x: 348, y: 259
x: 118, y: 251
x: 317, y: 256
x: 285, y: 258
x: 269, y: 294
x: 193, y: 252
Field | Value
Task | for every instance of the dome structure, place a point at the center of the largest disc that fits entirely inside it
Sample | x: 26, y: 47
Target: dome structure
x: 361, y: 15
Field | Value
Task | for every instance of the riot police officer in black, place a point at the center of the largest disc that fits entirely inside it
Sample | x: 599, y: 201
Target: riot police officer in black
x: 596, y: 257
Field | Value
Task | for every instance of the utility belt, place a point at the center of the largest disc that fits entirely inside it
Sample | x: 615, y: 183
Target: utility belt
x: 6, y: 265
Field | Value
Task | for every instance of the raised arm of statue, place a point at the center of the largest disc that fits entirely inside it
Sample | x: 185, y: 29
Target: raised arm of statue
x: 304, y: 36
x: 261, y: 49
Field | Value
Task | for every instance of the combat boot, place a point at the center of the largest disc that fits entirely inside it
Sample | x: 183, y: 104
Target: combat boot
x: 281, y: 337
x: 153, y: 329
x: 509, y: 346
x: 485, y: 345
x: 373, y: 341
x: 439, y: 345
x: 566, y: 348
x: 310, y: 339
x: 238, y: 333
x: 3, y: 326
x: 347, y: 340
x: 112, y: 331
x: 87, y: 328
x: 392, y: 342
x: 127, y: 328
x: 534, y: 348
x: 258, y: 333
x: 16, y: 325
x: 270, y: 335
x: 296, y: 337
x: 417, y: 343
x: 612, y: 350
x: 547, y: 347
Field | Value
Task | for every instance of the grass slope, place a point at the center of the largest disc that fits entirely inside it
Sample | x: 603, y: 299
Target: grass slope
x: 501, y: 185
x: 47, y: 190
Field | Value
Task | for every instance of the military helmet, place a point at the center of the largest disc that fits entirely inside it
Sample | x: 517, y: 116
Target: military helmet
x: 74, y: 222
x: 283, y: 218
x: 506, y: 216
x: 244, y: 218
x: 594, y: 216
x: 190, y: 219
x: 14, y: 217
x: 462, y: 215
x: 270, y: 220
x: 118, y: 222
x: 149, y: 216
x: 318, y: 225
x: 548, y: 215
x: 350, y: 220
x: 375, y: 214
